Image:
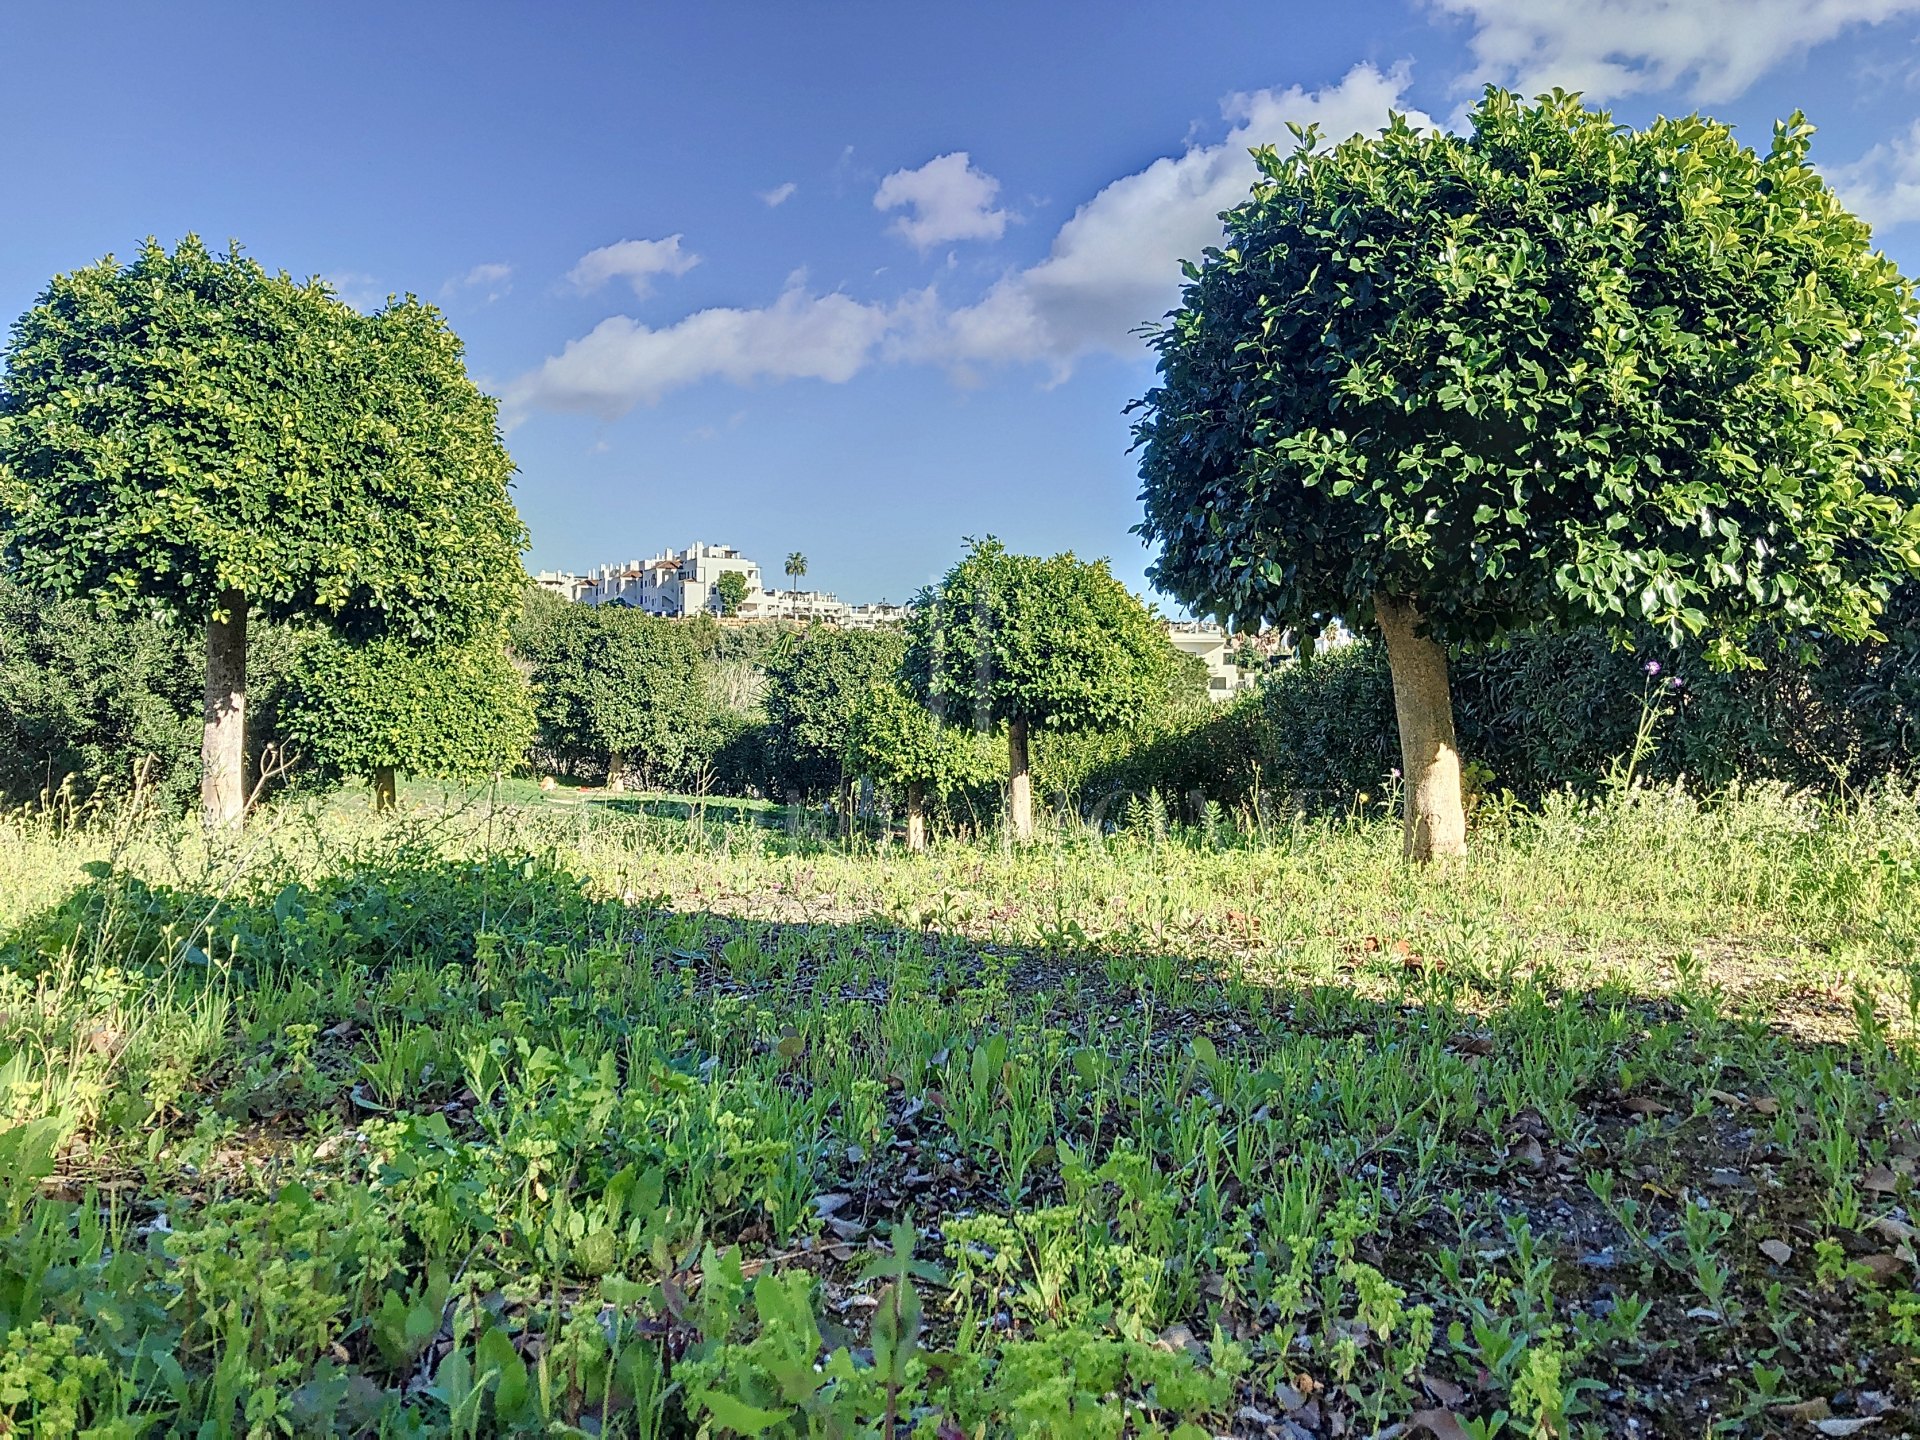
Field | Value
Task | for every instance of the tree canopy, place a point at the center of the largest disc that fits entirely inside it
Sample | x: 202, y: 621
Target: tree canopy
x: 617, y: 687
x: 456, y: 712
x: 815, y: 682
x: 898, y: 743
x: 1021, y: 641
x: 1056, y: 642
x: 190, y: 424
x: 1553, y: 370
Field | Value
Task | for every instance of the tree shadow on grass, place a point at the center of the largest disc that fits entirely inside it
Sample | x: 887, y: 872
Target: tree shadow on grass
x: 945, y: 1077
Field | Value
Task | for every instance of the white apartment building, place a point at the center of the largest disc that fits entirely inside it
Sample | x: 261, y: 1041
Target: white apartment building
x: 875, y: 617
x: 1213, y: 645
x: 802, y: 605
x: 565, y: 584
x: 674, y: 582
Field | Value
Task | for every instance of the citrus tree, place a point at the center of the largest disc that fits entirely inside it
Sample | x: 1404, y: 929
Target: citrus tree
x: 616, y: 685
x: 192, y: 433
x: 906, y: 750
x: 816, y: 680
x: 1553, y: 371
x: 1025, y: 642
x: 731, y: 587
x: 387, y: 708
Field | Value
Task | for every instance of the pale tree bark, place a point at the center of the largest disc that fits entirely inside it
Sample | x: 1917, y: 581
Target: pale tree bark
x: 616, y: 771
x: 1436, y: 822
x: 916, y: 818
x: 223, y: 739
x: 383, y: 788
x: 1019, y: 781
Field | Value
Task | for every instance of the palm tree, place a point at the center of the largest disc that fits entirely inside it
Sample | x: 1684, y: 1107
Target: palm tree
x: 796, y: 568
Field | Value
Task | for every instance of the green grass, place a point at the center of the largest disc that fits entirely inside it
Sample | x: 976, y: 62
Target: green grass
x: 507, y: 1115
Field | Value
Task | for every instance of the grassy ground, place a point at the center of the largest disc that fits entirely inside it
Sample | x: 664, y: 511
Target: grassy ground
x: 538, y: 1117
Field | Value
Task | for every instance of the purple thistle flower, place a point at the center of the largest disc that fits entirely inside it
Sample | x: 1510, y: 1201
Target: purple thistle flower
x: 1396, y: 772
x: 1652, y: 667
x: 1675, y: 683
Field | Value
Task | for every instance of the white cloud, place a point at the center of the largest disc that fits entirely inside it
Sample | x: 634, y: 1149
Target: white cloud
x: 778, y: 195
x: 356, y: 288
x: 1714, y: 49
x: 1113, y: 265
x: 946, y: 199
x: 494, y: 277
x: 1883, y: 185
x: 1116, y: 263
x: 635, y: 261
x: 622, y: 363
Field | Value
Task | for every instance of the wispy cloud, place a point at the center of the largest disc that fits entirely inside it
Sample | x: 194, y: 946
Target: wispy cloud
x: 778, y: 195
x: 1883, y: 185
x: 1116, y: 263
x: 1714, y: 50
x: 492, y: 279
x: 945, y: 199
x: 622, y: 362
x: 635, y: 261
x: 1113, y: 265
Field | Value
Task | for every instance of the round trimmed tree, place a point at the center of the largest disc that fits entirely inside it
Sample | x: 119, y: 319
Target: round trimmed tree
x: 908, y: 752
x: 1552, y: 372
x: 192, y: 432
x: 387, y: 708
x: 617, y: 685
x: 1026, y: 642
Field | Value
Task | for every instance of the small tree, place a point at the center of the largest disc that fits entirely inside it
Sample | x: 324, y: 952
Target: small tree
x: 731, y: 587
x: 907, y: 750
x: 1553, y: 372
x: 815, y: 681
x: 1019, y: 641
x: 616, y: 685
x: 190, y: 432
x: 460, y: 712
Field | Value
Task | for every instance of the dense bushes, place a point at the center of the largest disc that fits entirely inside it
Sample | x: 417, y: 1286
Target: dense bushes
x: 1545, y: 712
x: 85, y: 700
x: 766, y: 710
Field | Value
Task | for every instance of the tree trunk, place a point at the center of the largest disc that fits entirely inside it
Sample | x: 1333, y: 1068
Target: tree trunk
x: 1019, y: 782
x: 223, y: 740
x: 1436, y: 823
x: 916, y: 818
x: 616, y: 771
x: 383, y: 789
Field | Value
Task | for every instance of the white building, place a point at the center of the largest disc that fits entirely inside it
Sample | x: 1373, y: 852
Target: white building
x: 565, y: 584
x: 1214, y: 646
x: 801, y: 605
x: 875, y: 617
x: 674, y: 582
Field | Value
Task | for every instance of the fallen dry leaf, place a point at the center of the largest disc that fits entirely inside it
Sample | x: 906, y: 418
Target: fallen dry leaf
x: 1777, y: 1251
x: 1883, y: 1269
x: 1445, y: 1391
x: 1808, y: 1410
x: 1764, y: 1105
x: 1845, y: 1427
x: 1441, y: 1424
x: 1888, y: 1228
x: 1881, y: 1179
x: 1644, y: 1105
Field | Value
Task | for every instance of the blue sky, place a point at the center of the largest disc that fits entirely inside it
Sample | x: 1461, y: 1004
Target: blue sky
x: 852, y: 279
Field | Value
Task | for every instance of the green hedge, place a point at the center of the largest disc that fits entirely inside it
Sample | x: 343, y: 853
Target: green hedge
x: 1543, y: 713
